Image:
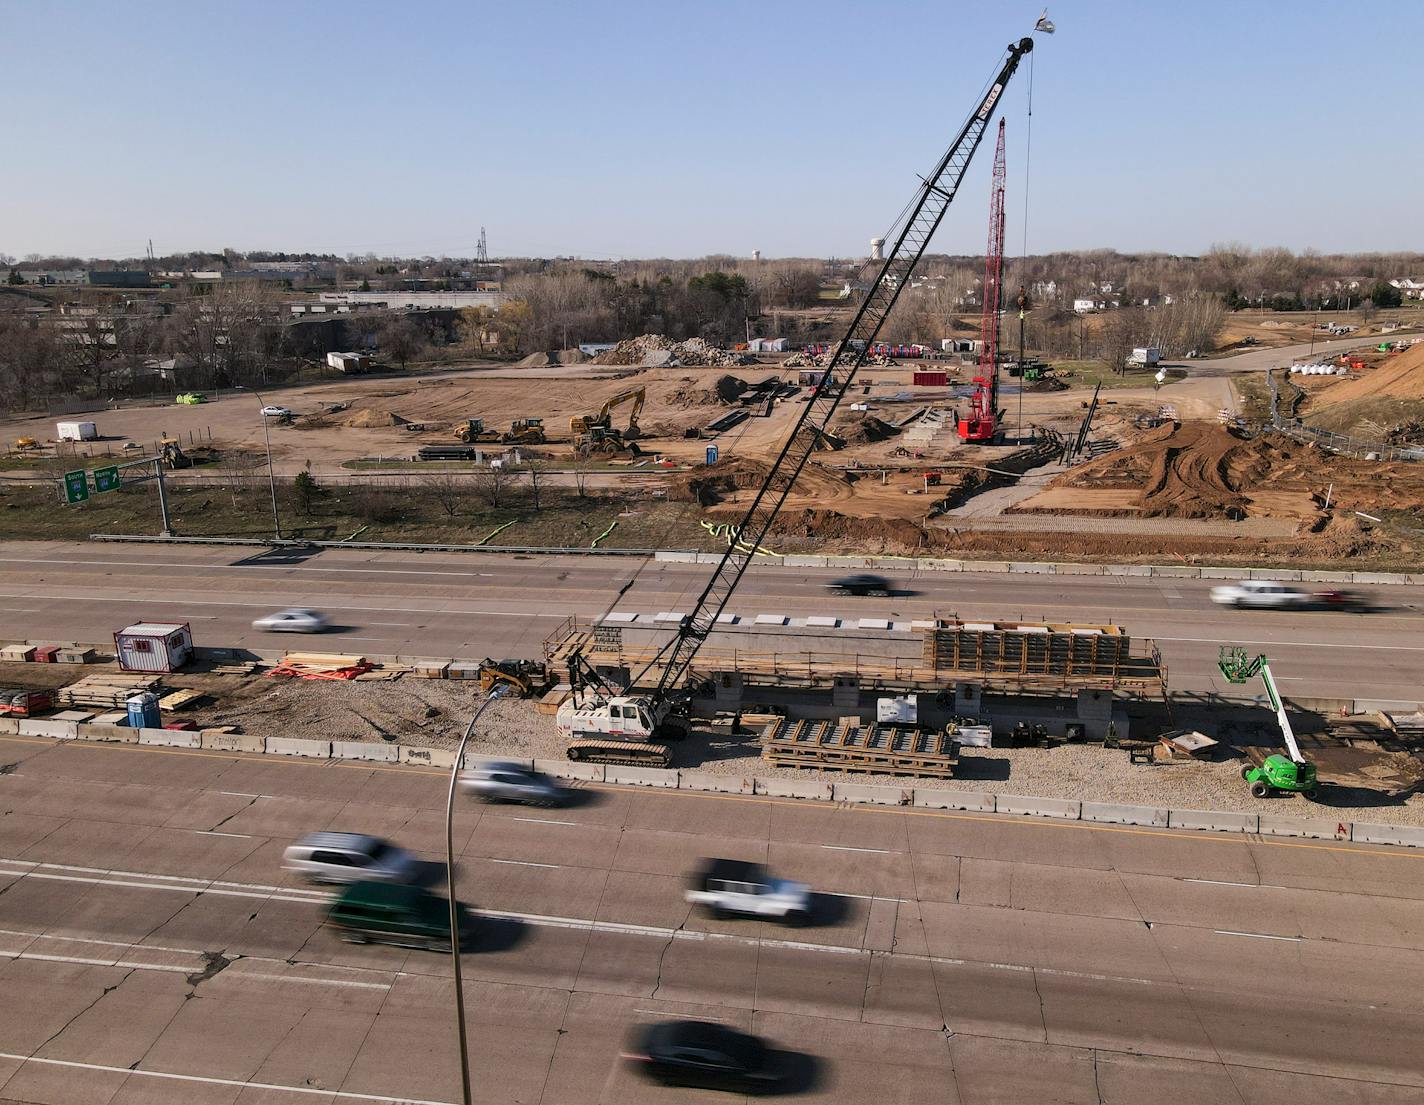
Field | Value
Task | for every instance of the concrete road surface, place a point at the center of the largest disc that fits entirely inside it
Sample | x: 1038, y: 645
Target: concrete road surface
x: 152, y: 949
x: 476, y: 605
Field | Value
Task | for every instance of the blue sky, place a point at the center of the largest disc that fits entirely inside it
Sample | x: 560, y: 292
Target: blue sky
x: 638, y: 129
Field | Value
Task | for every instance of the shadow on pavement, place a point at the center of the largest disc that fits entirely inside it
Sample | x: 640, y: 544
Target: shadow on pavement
x: 496, y: 934
x: 800, y: 1073
x: 827, y: 910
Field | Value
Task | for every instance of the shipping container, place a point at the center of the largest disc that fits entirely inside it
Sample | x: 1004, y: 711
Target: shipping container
x: 932, y: 379
x: 154, y: 646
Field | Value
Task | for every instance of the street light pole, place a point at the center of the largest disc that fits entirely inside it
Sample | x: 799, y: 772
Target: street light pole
x: 495, y: 692
x: 271, y: 476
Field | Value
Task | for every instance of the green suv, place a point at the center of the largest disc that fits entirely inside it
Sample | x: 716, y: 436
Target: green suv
x: 388, y: 913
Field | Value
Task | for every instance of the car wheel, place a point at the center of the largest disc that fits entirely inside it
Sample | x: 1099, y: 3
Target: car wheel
x: 1260, y: 790
x: 1313, y: 794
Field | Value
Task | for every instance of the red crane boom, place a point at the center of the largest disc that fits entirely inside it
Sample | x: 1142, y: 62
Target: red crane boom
x: 982, y: 421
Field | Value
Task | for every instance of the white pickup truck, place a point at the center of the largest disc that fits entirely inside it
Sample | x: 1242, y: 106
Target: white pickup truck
x: 733, y: 887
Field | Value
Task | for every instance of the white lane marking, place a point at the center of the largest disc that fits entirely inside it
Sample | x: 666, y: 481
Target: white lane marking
x: 345, y: 1095
x: 106, y: 943
x: 214, y: 832
x: 98, y: 962
x: 1258, y: 935
x: 544, y: 821
x: 1250, y: 885
x: 390, y: 623
x: 242, y: 794
x: 257, y: 604
x: 1295, y: 644
x: 848, y: 848
x: 350, y: 983
x: 133, y: 885
x: 527, y: 863
x: 58, y: 872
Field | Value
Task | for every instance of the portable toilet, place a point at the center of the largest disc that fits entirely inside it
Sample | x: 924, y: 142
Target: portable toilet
x: 143, y: 711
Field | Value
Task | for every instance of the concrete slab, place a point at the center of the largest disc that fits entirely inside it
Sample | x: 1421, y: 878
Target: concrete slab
x: 113, y: 734
x: 640, y: 776
x: 930, y: 798
x: 171, y: 738
x: 721, y: 784
x: 1124, y: 815
x: 1367, y: 833
x: 1038, y: 807
x: 428, y: 757
x: 875, y: 795
x: 1213, y: 819
x: 1316, y: 828
x: 570, y: 769
x: 365, y: 750
x: 230, y: 742
x: 873, y: 623
x: 771, y: 619
x: 823, y: 622
x: 298, y: 746
x: 793, y: 788
x: 620, y: 617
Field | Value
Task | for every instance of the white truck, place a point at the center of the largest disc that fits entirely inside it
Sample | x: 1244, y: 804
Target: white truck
x: 1145, y: 356
x: 734, y: 887
x: 77, y: 431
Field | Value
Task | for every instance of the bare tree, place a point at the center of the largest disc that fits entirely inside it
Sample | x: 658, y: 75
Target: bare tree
x: 492, y: 483
x: 1122, y: 330
x: 447, y: 489
x: 579, y: 470
x: 535, y: 469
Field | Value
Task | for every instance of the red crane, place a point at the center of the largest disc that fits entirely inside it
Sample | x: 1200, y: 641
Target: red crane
x: 980, y: 425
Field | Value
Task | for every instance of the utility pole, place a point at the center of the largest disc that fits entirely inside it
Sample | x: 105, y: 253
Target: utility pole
x: 1023, y: 306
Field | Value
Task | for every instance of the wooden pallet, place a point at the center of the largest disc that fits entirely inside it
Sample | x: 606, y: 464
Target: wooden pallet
x: 882, y: 749
x: 112, y: 689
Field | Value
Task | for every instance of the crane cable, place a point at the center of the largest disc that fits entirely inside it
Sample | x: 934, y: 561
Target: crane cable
x: 1028, y: 156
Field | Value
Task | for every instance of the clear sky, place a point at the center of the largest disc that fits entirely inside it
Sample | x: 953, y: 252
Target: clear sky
x: 626, y: 128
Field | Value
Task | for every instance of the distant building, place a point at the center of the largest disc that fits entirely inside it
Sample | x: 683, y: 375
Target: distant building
x: 767, y: 345
x: 46, y: 277
x: 398, y: 300
x: 1085, y: 303
x: 351, y: 363
x: 121, y: 278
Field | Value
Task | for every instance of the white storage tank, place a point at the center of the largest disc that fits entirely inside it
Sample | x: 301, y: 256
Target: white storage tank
x: 154, y: 646
x: 78, y: 431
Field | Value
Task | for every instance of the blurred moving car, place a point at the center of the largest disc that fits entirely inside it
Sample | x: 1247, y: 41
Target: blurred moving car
x: 509, y: 782
x: 1262, y: 594
x: 863, y: 584
x: 384, y: 913
x: 696, y: 1053
x: 276, y: 412
x: 1343, y: 600
x: 349, y: 857
x: 295, y: 620
x: 734, y: 887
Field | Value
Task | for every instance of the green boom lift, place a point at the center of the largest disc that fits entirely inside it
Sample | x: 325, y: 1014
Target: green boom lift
x: 1292, y: 774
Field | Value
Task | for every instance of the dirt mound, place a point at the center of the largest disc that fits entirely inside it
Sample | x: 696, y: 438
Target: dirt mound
x: 1399, y: 377
x: 864, y: 430
x: 709, y: 485
x: 725, y: 390
x: 1199, y: 470
x: 368, y: 417
x: 572, y: 356
x: 537, y: 360
x: 656, y: 349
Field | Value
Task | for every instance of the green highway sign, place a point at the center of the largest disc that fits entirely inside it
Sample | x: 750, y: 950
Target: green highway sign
x: 106, y: 479
x: 76, y: 487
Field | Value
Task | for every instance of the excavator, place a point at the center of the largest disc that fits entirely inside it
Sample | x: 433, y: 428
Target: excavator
x: 622, y: 720
x: 595, y: 433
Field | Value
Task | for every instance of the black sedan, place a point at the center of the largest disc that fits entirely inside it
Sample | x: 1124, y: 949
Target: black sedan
x: 865, y: 584
x: 696, y: 1053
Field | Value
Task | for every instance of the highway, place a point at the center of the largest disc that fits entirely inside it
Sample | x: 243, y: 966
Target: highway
x: 476, y: 605
x: 152, y: 949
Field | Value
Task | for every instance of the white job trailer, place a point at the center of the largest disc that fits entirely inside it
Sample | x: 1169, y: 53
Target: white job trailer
x: 154, y: 646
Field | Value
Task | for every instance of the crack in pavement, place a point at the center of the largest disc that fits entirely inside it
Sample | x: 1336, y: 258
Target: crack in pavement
x: 672, y: 936
x: 213, y: 963
x: 240, y: 809
x: 100, y: 997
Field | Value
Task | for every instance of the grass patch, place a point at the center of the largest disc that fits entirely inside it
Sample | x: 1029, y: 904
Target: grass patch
x: 1088, y: 374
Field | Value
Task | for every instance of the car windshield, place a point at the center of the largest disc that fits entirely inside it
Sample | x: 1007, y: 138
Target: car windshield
x: 378, y: 850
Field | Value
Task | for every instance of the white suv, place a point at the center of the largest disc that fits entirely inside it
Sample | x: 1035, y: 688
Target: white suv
x: 734, y: 887
x: 349, y: 857
x: 1261, y: 593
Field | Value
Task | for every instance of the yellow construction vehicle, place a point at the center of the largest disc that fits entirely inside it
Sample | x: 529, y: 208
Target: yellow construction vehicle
x: 603, y: 420
x: 525, y: 431
x: 526, y: 678
x: 26, y: 444
x: 472, y: 430
x: 171, y: 453
x: 603, y: 440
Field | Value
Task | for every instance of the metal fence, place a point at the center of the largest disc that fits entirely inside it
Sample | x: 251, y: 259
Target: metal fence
x: 1328, y: 439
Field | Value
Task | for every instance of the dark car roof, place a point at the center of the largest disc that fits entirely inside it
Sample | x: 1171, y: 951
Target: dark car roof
x: 733, y: 870
x: 382, y: 894
x: 862, y: 577
x: 670, y: 1035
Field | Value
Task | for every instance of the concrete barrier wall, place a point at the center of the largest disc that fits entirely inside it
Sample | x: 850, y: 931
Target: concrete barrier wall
x: 570, y: 769
x: 38, y: 727
x: 875, y: 795
x: 1317, y: 828
x: 112, y: 734
x: 1365, y: 833
x: 954, y: 800
x: 1039, y: 807
x: 640, y: 776
x: 1213, y: 819
x: 365, y: 750
x: 171, y: 738
x: 294, y: 746
x: 427, y: 757
x: 9, y: 725
x: 1115, y: 814
x: 231, y: 742
x: 794, y: 788
x: 473, y: 760
x: 720, y: 784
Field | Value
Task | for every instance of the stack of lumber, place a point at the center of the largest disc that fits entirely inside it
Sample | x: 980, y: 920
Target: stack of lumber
x: 321, y: 665
x: 110, y: 688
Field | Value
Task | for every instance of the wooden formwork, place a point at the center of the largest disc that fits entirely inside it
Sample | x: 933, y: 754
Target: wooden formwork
x: 882, y: 749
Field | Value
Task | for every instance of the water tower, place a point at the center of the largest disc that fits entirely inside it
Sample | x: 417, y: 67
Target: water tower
x: 756, y: 255
x: 877, y: 249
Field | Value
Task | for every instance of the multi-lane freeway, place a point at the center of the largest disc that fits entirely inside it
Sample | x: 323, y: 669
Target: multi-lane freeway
x: 475, y: 605
x: 153, y: 950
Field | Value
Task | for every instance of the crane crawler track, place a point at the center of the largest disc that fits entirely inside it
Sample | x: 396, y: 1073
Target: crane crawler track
x: 626, y: 753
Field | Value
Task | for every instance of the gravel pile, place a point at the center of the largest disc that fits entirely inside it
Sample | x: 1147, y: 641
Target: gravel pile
x: 656, y: 349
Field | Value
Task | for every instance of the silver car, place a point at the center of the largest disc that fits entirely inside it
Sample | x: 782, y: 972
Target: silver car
x: 349, y: 857
x: 507, y: 782
x: 1263, y: 594
x: 295, y: 620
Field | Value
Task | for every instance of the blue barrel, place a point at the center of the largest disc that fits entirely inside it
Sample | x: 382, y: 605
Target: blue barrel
x: 143, y: 711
